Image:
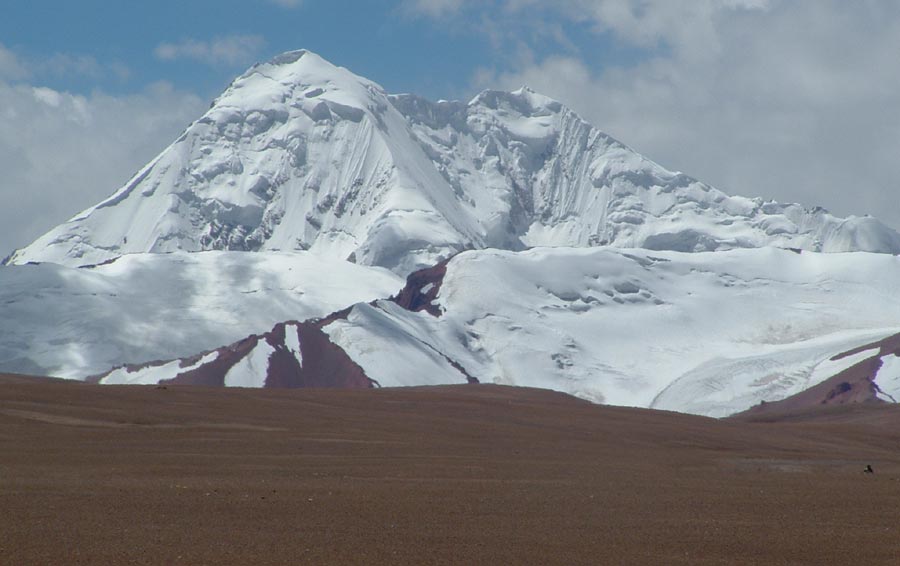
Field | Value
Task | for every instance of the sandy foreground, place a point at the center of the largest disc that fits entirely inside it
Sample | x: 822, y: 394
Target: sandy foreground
x: 474, y: 474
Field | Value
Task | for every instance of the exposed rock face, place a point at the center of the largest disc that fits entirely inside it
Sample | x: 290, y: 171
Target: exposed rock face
x: 291, y: 355
x: 422, y: 288
x: 299, y: 154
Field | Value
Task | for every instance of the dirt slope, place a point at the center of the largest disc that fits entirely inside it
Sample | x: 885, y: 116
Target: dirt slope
x: 470, y: 474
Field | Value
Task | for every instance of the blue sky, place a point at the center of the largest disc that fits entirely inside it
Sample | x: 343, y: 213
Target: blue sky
x: 792, y: 100
x: 393, y: 43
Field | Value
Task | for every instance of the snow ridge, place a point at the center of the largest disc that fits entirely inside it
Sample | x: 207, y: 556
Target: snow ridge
x: 298, y: 154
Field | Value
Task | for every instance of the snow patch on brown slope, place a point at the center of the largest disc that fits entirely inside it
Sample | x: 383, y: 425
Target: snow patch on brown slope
x: 855, y: 384
x: 297, y: 354
x: 293, y: 354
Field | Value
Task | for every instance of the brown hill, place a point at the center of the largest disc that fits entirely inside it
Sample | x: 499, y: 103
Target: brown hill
x: 470, y: 474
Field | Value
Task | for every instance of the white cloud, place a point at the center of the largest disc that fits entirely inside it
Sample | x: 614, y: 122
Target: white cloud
x: 11, y: 67
x: 640, y: 22
x: 433, y: 8
x: 16, y: 66
x: 287, y: 3
x: 60, y: 153
x: 66, y: 64
x: 227, y: 50
x: 676, y: 22
x: 793, y: 100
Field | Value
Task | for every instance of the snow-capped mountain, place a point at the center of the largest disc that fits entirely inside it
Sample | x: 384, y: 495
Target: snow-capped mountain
x: 299, y: 154
x: 539, y: 251
x: 706, y: 333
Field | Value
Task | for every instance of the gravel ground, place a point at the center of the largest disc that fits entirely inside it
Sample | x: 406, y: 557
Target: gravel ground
x: 473, y: 474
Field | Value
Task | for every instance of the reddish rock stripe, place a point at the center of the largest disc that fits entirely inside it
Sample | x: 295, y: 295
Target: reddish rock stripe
x: 412, y: 298
x: 855, y: 384
x: 213, y: 373
x: 889, y: 345
x: 324, y: 363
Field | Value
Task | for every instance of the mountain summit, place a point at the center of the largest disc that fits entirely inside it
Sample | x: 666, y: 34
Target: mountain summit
x: 299, y: 154
x: 299, y: 202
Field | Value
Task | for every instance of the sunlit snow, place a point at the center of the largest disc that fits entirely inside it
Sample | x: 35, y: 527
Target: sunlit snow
x: 888, y: 379
x: 298, y: 154
x: 72, y: 323
x: 709, y: 333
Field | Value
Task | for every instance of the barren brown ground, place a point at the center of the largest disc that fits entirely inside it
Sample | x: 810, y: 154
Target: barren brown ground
x: 472, y: 474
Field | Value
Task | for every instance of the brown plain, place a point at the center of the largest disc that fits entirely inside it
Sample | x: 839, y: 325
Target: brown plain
x: 472, y: 474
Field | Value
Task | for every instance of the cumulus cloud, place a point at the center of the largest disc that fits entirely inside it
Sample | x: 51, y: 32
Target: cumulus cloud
x: 227, y: 50
x: 680, y: 23
x: 792, y: 100
x: 61, y: 153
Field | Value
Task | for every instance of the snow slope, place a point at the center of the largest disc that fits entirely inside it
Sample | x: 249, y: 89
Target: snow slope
x: 710, y: 333
x: 707, y: 333
x: 298, y: 154
x: 74, y: 322
x: 888, y: 378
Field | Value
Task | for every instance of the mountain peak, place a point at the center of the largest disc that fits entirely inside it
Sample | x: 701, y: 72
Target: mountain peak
x: 289, y: 57
x: 298, y: 62
x: 301, y: 154
x: 298, y: 77
x: 524, y: 101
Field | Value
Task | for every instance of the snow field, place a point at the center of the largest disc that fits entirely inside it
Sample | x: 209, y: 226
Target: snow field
x: 708, y: 333
x: 72, y: 323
